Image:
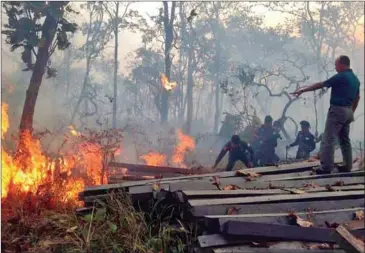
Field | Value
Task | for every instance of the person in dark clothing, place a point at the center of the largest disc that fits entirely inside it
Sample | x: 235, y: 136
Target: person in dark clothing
x: 237, y: 151
x: 306, y: 141
x: 345, y: 96
x: 267, y: 136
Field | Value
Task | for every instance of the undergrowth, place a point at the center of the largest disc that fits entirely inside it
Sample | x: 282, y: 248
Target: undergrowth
x: 116, y: 227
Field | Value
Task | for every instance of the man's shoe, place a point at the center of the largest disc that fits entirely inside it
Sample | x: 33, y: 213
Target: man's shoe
x: 321, y: 171
x: 343, y: 168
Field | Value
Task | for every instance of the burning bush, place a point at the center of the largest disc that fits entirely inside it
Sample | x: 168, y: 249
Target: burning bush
x: 32, y: 178
x: 184, y: 144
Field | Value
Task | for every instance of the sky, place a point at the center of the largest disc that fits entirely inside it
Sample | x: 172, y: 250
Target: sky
x: 131, y: 41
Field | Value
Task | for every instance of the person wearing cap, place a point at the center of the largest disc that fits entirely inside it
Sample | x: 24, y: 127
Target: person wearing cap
x: 267, y: 137
x: 305, y: 140
x: 237, y: 151
x: 345, y: 96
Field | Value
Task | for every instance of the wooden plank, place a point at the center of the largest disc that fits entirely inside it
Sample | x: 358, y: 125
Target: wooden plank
x: 318, y: 218
x: 217, y: 240
x: 248, y: 249
x: 333, y: 175
x: 286, y: 207
x: 179, y: 183
x: 229, y: 193
x: 279, y: 198
x: 220, y: 240
x: 245, y: 193
x: 261, y: 184
x: 273, y: 232
x: 347, y: 241
x: 149, y: 168
x: 268, y: 170
x: 136, y: 193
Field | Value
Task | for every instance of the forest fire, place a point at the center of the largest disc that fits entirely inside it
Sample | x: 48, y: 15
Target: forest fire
x: 169, y: 86
x: 33, y: 174
x: 154, y: 159
x: 185, y: 143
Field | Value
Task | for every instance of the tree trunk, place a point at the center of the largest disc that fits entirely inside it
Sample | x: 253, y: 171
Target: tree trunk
x: 26, y: 121
x: 217, y: 88
x: 86, y: 79
x: 189, y: 91
x: 114, y: 122
x: 68, y: 71
x: 168, y: 27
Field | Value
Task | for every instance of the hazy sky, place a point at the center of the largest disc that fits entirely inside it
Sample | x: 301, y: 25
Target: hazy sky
x: 131, y: 41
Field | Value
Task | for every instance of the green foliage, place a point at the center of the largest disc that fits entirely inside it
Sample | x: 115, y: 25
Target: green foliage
x: 25, y: 28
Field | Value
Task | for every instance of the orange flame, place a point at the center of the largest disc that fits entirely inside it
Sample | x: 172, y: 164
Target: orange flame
x: 4, y: 120
x: 185, y: 143
x: 154, y: 159
x: 32, y: 170
x: 166, y: 84
x: 73, y: 131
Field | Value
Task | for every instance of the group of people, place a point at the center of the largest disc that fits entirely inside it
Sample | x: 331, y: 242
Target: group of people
x: 261, y: 150
x: 345, y: 96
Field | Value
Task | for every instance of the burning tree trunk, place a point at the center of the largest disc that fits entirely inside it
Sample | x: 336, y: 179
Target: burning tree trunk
x: 169, y: 36
x: 48, y: 34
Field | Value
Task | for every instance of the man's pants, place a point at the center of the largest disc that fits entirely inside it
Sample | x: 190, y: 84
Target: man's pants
x: 267, y: 157
x: 233, y: 160
x: 337, y: 125
x: 301, y: 154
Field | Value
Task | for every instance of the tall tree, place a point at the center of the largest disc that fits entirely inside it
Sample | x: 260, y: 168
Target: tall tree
x: 97, y: 33
x: 117, y: 22
x: 168, y: 23
x: 38, y: 28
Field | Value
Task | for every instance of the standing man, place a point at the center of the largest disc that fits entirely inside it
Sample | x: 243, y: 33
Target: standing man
x: 267, y: 137
x: 306, y: 141
x: 237, y: 151
x: 345, y: 96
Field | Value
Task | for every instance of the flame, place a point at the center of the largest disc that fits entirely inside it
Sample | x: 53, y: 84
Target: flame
x: 166, y: 84
x: 154, y: 159
x: 185, y: 143
x: 31, y: 170
x: 73, y: 131
x: 4, y: 119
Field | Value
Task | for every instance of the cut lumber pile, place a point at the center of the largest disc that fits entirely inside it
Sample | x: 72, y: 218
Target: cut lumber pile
x: 269, y: 209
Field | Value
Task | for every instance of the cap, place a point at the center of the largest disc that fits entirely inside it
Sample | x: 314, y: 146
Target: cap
x: 305, y: 123
x: 235, y: 139
x: 268, y: 118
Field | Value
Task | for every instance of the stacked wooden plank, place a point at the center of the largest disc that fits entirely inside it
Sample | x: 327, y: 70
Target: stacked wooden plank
x: 265, y: 209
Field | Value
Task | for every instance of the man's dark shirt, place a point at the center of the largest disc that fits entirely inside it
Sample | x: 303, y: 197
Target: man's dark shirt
x: 345, y: 88
x: 234, y: 152
x: 306, y: 142
x: 268, y: 136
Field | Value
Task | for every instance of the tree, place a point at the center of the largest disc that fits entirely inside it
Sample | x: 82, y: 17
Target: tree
x: 327, y: 28
x: 38, y: 28
x: 97, y: 33
x: 168, y: 22
x: 117, y: 22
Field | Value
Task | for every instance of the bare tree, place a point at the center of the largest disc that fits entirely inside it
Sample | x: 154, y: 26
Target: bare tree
x: 117, y: 19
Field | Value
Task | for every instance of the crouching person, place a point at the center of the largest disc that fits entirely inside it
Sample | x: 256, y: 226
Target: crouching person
x: 237, y: 151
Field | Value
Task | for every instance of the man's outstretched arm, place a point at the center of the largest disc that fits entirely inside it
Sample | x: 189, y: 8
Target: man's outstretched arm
x: 313, y: 87
x: 328, y: 83
x: 220, y: 156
